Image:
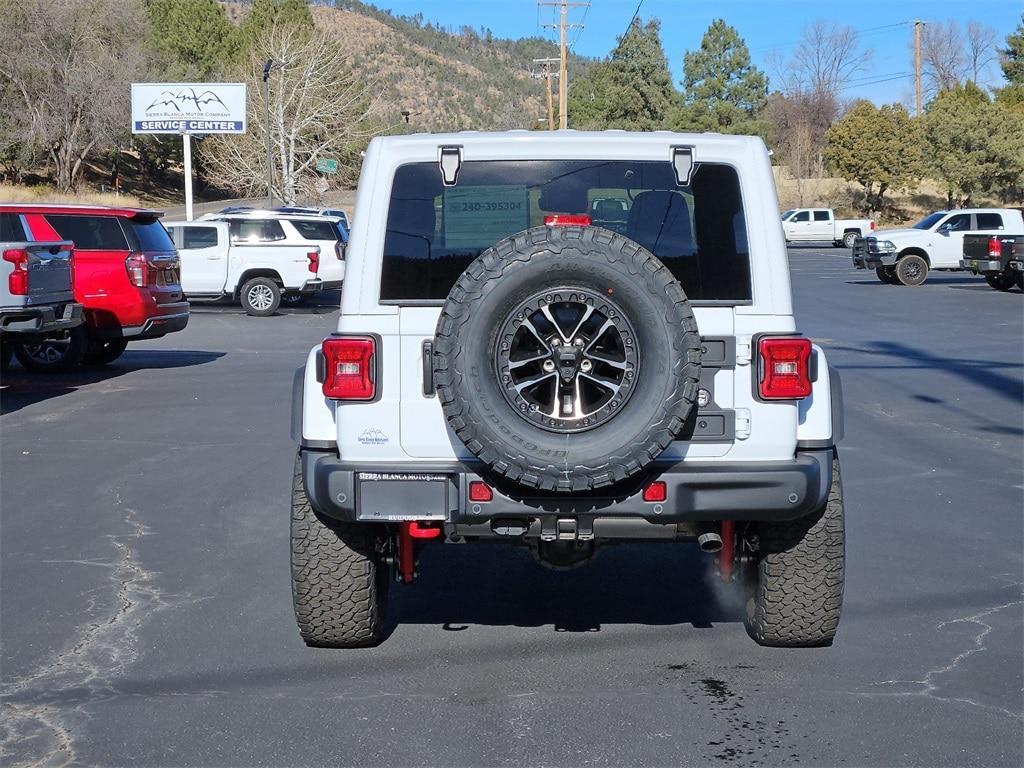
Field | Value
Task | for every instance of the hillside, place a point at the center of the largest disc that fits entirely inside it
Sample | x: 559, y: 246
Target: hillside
x: 447, y: 80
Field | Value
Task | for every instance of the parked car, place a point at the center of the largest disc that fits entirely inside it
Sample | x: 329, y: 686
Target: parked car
x: 125, y: 277
x: 297, y: 229
x: 803, y: 225
x: 224, y: 259
x: 905, y: 256
x: 334, y: 212
x: 505, y: 371
x: 998, y: 258
x: 36, y: 299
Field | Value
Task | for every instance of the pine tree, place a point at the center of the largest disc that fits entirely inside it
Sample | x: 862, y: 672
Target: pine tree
x: 1011, y: 58
x: 192, y: 39
x: 722, y: 90
x: 879, y: 148
x: 632, y: 90
x: 265, y: 14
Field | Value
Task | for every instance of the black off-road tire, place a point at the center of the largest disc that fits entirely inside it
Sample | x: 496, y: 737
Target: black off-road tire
x: 796, y: 593
x: 1000, y: 281
x: 104, y: 352
x: 6, y: 352
x: 260, y: 297
x: 54, y: 355
x: 911, y: 270
x: 560, y: 260
x: 887, y: 275
x: 339, y: 577
x: 849, y: 238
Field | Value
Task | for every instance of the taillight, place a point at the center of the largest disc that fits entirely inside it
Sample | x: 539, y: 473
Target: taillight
x: 785, y: 368
x: 995, y: 248
x: 349, y: 371
x: 567, y: 220
x: 872, y: 225
x: 314, y: 261
x: 17, y: 281
x: 339, y: 250
x: 138, y: 269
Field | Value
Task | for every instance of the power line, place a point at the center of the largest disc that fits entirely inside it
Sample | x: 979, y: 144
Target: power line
x: 777, y: 46
x: 579, y: 31
x: 635, y: 14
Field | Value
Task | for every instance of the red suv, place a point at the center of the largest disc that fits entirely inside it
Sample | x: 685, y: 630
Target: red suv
x: 126, y: 275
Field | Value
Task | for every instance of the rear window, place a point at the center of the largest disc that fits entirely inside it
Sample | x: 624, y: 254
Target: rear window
x: 90, y: 233
x: 435, y: 232
x: 316, y: 230
x: 150, y: 235
x: 198, y: 237
x: 821, y: 216
x: 256, y: 231
x: 11, y: 228
x: 990, y: 221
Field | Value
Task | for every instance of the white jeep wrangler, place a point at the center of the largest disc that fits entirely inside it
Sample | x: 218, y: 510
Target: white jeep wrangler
x: 563, y: 341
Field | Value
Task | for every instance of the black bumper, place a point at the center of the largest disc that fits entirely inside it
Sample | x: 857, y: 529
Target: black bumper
x: 873, y: 260
x: 42, y: 321
x: 771, y: 490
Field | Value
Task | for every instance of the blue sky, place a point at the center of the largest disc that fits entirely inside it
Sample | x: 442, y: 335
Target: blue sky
x: 766, y: 25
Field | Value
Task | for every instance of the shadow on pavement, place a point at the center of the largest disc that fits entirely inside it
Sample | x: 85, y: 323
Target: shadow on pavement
x: 20, y: 388
x: 985, y: 373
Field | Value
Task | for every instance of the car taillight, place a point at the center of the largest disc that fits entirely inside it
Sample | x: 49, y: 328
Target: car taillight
x: 339, y: 250
x: 785, y: 368
x: 17, y: 281
x: 138, y: 270
x: 995, y: 248
x: 349, y: 373
x: 567, y: 220
x: 872, y: 225
x: 314, y: 261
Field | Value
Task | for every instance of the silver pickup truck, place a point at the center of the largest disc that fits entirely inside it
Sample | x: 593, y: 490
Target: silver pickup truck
x: 36, y: 299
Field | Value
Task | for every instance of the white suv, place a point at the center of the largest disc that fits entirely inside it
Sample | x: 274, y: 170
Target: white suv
x: 258, y: 226
x: 505, y: 370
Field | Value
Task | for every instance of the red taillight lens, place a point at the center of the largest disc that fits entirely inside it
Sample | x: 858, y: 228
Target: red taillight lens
x: 656, y: 491
x: 480, y: 491
x: 872, y: 225
x: 785, y: 368
x: 567, y: 220
x: 349, y: 371
x: 995, y: 248
x: 138, y: 270
x: 314, y: 261
x: 17, y: 281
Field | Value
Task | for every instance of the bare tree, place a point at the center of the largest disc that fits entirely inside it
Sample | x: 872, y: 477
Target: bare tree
x: 981, y: 48
x: 69, y: 64
x: 319, y: 108
x: 944, y: 62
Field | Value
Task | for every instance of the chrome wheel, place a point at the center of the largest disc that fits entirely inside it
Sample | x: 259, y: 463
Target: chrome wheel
x: 567, y: 359
x: 261, y: 297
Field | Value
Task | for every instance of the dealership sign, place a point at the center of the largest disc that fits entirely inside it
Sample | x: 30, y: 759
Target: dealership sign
x: 188, y: 107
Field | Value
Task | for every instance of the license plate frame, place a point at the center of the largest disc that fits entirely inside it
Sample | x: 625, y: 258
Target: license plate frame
x: 392, y: 497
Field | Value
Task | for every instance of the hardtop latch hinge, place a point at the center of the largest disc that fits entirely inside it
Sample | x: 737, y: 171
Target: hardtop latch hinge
x: 743, y: 350
x: 742, y: 423
x: 450, y: 160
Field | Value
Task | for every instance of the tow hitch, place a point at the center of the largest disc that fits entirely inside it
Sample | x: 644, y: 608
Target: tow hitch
x: 408, y: 533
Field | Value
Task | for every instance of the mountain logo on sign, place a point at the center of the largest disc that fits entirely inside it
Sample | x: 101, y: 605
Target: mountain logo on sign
x: 186, y: 98
x: 373, y: 436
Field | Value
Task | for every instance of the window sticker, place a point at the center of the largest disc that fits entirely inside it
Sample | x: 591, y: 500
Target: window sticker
x: 477, y: 217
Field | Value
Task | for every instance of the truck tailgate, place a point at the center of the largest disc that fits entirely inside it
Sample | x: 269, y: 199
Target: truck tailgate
x: 49, y: 270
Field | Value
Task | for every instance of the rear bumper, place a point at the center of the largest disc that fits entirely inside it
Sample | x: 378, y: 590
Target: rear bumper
x: 172, y: 317
x: 979, y: 266
x: 771, y: 490
x: 311, y: 286
x: 43, y: 320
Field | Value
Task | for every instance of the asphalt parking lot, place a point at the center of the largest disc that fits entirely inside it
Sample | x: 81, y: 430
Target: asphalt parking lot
x: 145, y: 612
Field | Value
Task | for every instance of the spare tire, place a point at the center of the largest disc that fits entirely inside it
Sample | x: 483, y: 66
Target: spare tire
x: 566, y: 358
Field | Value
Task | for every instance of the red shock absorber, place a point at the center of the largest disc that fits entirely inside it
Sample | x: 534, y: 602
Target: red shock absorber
x: 725, y: 555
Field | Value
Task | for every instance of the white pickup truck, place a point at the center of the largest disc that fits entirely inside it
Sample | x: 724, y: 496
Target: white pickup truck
x: 905, y: 256
x: 215, y: 265
x: 805, y: 225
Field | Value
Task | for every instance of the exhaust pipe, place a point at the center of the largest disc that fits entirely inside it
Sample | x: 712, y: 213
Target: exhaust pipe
x: 709, y: 541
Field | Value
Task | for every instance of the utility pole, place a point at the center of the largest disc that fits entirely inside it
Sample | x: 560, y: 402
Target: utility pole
x: 547, y: 87
x: 563, y: 56
x: 267, y: 67
x: 917, y: 66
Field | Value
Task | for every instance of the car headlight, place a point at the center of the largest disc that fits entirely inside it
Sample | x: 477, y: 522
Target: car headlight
x: 883, y: 246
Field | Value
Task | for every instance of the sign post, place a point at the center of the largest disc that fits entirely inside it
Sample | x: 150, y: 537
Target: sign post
x: 188, y: 108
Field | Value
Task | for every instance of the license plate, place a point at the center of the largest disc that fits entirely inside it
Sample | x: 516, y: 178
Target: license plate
x: 397, y: 496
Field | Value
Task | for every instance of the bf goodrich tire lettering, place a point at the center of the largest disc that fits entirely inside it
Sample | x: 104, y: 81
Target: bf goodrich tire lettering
x: 593, y: 431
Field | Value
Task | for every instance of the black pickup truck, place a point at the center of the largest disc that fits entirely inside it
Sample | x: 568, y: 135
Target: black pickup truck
x: 998, y: 258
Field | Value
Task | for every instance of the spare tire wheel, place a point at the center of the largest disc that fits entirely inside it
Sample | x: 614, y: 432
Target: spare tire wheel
x: 567, y: 358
